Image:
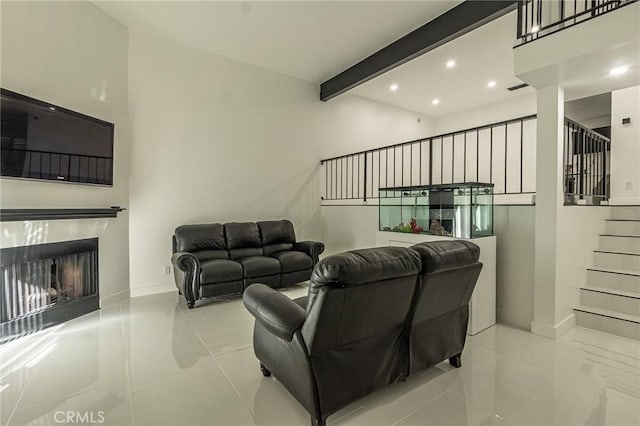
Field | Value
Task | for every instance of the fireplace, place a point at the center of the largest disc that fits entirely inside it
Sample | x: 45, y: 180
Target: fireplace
x: 46, y: 284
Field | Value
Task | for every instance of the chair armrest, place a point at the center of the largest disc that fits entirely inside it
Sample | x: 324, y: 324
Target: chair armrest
x: 312, y: 248
x: 186, y: 273
x: 275, y: 311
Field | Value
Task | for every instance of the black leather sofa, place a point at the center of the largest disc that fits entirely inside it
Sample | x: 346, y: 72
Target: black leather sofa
x: 215, y: 259
x: 372, y: 317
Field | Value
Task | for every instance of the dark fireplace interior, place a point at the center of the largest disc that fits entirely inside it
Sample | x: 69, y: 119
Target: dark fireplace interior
x: 46, y: 284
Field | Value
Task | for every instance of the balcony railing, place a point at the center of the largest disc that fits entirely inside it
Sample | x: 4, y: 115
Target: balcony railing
x: 500, y: 153
x: 538, y: 18
x: 587, y: 159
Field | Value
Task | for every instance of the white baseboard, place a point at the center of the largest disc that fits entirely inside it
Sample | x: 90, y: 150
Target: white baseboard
x: 114, y: 298
x: 153, y: 289
x: 554, y: 331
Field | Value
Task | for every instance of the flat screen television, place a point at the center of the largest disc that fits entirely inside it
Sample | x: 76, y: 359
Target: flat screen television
x: 48, y: 142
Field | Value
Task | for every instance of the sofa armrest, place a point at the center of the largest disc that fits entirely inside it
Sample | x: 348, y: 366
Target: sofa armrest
x: 312, y: 248
x: 275, y: 311
x: 186, y: 273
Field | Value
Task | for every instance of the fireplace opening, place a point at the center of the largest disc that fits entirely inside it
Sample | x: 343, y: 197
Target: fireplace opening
x: 46, y: 284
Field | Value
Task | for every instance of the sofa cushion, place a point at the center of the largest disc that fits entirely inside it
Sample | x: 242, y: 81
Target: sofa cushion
x: 219, y: 271
x: 245, y: 252
x: 259, y: 266
x: 203, y: 255
x: 272, y: 248
x: 276, y: 232
x: 242, y: 235
x: 200, y: 237
x: 292, y: 261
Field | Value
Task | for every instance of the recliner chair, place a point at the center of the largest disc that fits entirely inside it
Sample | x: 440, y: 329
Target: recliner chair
x: 368, y: 321
x: 450, y: 271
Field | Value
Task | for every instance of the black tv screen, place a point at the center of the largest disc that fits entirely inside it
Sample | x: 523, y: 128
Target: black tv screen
x: 45, y: 141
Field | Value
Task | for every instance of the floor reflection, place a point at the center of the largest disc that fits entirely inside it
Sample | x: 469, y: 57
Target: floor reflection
x: 152, y: 361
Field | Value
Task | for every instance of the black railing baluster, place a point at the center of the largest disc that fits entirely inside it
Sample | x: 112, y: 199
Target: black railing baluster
x: 373, y: 195
x: 521, y: 152
x: 519, y: 20
x: 379, y: 168
x: 491, y: 154
x: 582, y: 150
x: 344, y: 177
x: 441, y: 160
x: 539, y: 18
x: 401, y: 165
x: 386, y: 166
x: 453, y: 158
x: 336, y: 178
x: 410, y: 164
x: 326, y: 179
x: 352, y: 179
x: 394, y: 166
x: 477, y: 155
x: 464, y: 159
x: 583, y: 11
x: 364, y: 175
x: 420, y: 164
x: 505, y: 158
x: 430, y: 161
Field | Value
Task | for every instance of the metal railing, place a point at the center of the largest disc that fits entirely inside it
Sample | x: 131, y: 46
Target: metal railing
x: 501, y: 153
x: 587, y: 160
x: 34, y: 164
x: 538, y: 18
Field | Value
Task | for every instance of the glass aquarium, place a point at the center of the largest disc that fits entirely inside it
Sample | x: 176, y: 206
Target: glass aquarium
x: 459, y: 210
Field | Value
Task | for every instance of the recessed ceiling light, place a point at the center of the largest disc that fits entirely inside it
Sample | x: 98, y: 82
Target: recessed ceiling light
x: 535, y: 28
x: 491, y: 84
x: 618, y: 70
x: 52, y: 108
x: 393, y: 87
x: 435, y: 101
x: 451, y: 63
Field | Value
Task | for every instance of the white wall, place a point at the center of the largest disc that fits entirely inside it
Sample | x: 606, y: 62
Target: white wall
x: 344, y: 228
x: 625, y: 146
x: 578, y: 228
x: 514, y: 228
x: 518, y: 106
x: 215, y: 140
x: 74, y: 55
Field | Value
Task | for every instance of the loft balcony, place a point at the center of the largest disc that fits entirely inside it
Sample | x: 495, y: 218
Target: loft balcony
x: 576, y: 43
x: 539, y: 18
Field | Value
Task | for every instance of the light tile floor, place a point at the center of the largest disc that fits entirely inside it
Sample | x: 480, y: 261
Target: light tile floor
x: 151, y: 361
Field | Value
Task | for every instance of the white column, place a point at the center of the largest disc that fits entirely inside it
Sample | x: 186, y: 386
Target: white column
x: 549, y: 199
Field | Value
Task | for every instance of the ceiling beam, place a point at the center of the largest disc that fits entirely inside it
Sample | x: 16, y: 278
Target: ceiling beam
x: 454, y: 23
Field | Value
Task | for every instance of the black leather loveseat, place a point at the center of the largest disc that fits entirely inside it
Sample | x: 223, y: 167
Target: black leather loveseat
x: 372, y: 317
x: 215, y: 259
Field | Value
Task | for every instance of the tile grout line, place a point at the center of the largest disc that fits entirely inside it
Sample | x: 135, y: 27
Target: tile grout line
x: 530, y: 404
x: 15, y: 406
x: 440, y: 395
x: 127, y: 366
x: 224, y: 373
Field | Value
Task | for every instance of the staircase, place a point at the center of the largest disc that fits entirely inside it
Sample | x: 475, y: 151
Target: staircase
x: 610, y: 301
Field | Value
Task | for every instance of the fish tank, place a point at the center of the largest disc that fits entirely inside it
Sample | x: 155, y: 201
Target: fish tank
x: 458, y: 210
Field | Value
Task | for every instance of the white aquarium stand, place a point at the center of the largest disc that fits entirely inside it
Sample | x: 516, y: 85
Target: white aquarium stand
x: 482, y: 308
